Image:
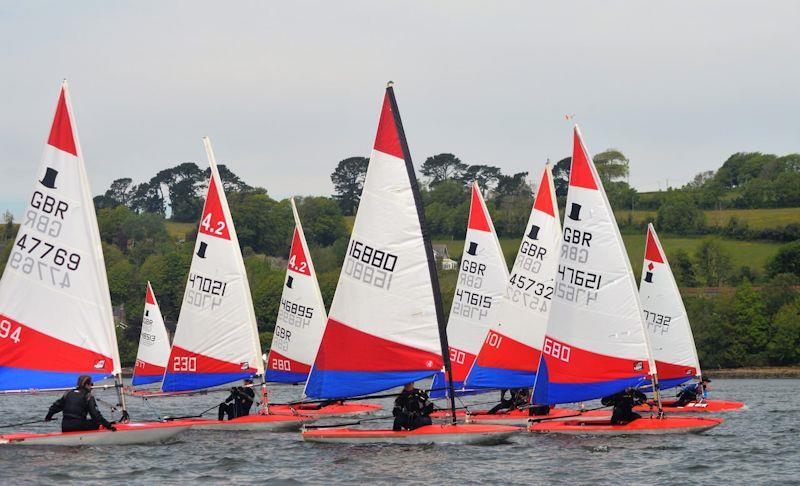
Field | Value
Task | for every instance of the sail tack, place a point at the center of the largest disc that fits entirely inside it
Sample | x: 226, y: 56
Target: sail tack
x: 301, y: 316
x: 216, y: 340
x: 56, y: 321
x: 510, y: 353
x: 595, y: 343
x: 382, y: 328
x: 666, y: 319
x: 482, y: 279
x: 151, y: 359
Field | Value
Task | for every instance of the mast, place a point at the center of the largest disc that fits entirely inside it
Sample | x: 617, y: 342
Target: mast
x: 437, y: 296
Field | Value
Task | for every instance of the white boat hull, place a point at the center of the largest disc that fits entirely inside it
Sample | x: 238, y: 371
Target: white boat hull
x: 264, y: 423
x: 431, y: 434
x: 126, y: 434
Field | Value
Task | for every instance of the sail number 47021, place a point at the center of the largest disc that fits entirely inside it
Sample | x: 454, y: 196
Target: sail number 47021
x: 10, y: 331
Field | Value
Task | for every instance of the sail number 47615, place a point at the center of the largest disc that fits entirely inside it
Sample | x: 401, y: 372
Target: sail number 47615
x: 10, y: 331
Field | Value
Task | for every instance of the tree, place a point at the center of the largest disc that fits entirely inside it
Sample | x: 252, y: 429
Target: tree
x: 513, y: 185
x: 683, y: 269
x: 787, y: 260
x: 442, y: 167
x: 612, y: 165
x: 779, y: 291
x: 348, y: 182
x: 485, y: 176
x: 184, y: 183
x: 322, y: 220
x: 784, y: 346
x: 713, y: 262
x: 561, y: 176
x: 230, y: 181
x: 8, y: 225
x: 680, y: 215
x: 148, y: 197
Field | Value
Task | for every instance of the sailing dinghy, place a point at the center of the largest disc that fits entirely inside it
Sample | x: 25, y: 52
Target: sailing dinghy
x: 670, y: 332
x: 482, y: 278
x: 153, y: 353
x: 596, y: 344
x: 56, y: 321
x: 298, y: 331
x: 216, y: 339
x: 386, y: 323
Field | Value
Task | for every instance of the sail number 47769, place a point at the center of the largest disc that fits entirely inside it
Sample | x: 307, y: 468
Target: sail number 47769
x: 10, y: 331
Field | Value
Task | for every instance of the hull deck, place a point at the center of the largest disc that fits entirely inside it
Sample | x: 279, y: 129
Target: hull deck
x: 695, y: 407
x: 642, y: 426
x: 330, y: 410
x: 429, y: 434
x: 131, y: 433
x: 267, y: 423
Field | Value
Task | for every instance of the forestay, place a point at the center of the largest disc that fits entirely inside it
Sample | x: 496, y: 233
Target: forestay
x: 665, y: 316
x: 56, y: 321
x: 151, y: 359
x: 301, y: 315
x: 216, y: 340
x: 382, y: 328
x: 482, y: 279
x: 510, y: 353
x: 595, y: 343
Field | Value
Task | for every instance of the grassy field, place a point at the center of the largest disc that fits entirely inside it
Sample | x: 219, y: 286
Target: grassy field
x: 755, y: 218
x: 751, y: 253
x: 179, y: 230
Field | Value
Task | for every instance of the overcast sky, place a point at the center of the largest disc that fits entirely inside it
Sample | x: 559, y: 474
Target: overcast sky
x: 287, y: 89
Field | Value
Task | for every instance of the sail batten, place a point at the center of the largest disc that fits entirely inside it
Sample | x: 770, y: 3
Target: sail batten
x: 56, y: 320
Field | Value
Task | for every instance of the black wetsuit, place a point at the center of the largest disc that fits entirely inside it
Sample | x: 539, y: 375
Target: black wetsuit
x: 237, y: 404
x: 411, y: 410
x: 623, y: 403
x: 76, y: 405
x: 518, y: 400
x: 690, y: 393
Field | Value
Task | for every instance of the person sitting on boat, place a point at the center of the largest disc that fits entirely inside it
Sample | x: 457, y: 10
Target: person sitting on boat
x: 76, y: 404
x: 695, y: 392
x: 239, y: 402
x: 411, y: 409
x: 518, y: 400
x: 623, y: 403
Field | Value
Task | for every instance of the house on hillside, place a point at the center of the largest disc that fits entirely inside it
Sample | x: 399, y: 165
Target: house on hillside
x: 441, y: 254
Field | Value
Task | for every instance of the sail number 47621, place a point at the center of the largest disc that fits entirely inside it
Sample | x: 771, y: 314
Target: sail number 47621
x: 10, y: 331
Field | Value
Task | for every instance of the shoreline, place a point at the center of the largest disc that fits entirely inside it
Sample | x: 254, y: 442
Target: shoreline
x: 765, y: 372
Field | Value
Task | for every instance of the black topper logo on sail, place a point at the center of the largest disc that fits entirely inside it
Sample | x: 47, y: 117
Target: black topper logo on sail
x: 648, y: 277
x: 575, y: 212
x: 49, y: 179
x: 473, y: 248
x: 534, y: 232
x: 289, y: 281
x: 201, y: 252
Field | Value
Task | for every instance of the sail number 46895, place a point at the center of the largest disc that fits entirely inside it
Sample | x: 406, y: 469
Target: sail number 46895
x: 10, y: 331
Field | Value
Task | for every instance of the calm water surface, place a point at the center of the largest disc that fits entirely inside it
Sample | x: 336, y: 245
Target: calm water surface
x: 758, y: 445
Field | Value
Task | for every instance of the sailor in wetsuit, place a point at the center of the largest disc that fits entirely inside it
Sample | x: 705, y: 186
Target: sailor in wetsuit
x: 623, y: 403
x: 239, y: 402
x: 411, y: 409
x: 695, y: 392
x: 519, y: 399
x: 76, y: 404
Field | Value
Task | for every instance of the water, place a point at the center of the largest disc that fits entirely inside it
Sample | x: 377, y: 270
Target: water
x: 758, y: 445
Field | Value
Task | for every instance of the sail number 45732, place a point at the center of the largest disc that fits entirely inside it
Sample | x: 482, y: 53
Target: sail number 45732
x: 10, y: 331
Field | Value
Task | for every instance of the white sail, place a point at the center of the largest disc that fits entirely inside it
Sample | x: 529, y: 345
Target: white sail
x: 510, y: 353
x: 153, y: 353
x: 382, y: 329
x: 301, y: 315
x: 216, y: 340
x: 482, y: 279
x: 595, y: 343
x: 56, y: 321
x: 665, y: 315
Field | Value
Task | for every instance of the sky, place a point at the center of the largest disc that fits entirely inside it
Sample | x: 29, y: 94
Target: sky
x: 287, y: 89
